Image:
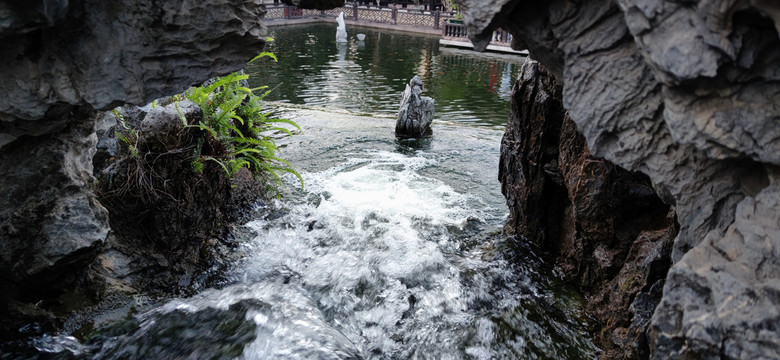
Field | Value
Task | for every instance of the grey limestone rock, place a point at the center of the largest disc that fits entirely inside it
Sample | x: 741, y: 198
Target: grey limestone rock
x: 60, y: 63
x: 103, y: 54
x: 51, y: 222
x: 722, y: 296
x: 416, y: 112
x: 168, y: 119
x: 685, y: 92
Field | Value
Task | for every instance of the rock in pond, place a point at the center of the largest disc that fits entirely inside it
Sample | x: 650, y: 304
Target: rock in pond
x: 416, y: 113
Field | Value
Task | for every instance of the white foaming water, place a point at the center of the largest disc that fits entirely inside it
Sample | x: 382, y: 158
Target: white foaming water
x: 371, y: 247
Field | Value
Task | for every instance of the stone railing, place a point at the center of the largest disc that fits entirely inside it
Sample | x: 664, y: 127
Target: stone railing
x: 386, y: 14
x: 458, y: 32
x: 453, y: 31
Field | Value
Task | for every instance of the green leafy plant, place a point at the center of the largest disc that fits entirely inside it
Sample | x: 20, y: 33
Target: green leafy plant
x: 127, y: 135
x: 233, y: 115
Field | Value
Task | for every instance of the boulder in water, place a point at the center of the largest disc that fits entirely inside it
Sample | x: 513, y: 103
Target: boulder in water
x: 416, y: 113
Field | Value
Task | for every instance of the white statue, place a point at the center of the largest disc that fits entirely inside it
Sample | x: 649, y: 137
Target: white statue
x: 341, y: 31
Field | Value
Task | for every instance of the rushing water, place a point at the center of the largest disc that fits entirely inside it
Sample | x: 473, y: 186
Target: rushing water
x: 391, y: 251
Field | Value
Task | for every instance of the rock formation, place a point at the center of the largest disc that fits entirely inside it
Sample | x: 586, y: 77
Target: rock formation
x: 62, y: 61
x: 685, y: 93
x: 416, y: 113
x: 607, y: 229
x: 156, y: 201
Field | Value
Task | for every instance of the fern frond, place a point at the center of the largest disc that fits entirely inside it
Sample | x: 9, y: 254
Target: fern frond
x: 284, y: 121
x: 265, y: 54
x: 233, y: 115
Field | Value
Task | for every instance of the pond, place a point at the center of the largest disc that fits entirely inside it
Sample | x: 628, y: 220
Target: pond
x: 369, y: 76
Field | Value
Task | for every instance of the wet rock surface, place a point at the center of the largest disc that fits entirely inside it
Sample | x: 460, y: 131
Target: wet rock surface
x: 605, y: 227
x: 233, y: 328
x: 684, y: 93
x: 416, y: 113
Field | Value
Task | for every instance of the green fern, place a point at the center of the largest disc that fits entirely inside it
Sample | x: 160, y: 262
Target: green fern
x: 233, y: 115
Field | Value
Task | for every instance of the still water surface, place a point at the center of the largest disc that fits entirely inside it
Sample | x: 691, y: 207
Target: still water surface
x: 369, y: 76
x: 393, y: 249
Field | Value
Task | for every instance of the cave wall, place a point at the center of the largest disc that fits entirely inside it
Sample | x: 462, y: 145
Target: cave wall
x: 62, y: 62
x: 686, y: 93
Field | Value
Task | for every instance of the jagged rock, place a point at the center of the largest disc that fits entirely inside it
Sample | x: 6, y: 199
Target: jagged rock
x: 60, y: 62
x: 104, y: 54
x: 51, y: 223
x: 721, y: 299
x: 685, y: 93
x: 598, y: 220
x: 416, y: 114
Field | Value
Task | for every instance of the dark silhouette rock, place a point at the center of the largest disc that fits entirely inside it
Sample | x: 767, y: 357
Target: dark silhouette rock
x: 416, y: 113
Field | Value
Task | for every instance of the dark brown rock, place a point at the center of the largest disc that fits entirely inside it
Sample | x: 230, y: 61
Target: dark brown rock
x: 167, y: 219
x: 607, y: 230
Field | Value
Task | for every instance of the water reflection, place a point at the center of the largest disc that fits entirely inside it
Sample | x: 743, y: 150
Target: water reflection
x: 369, y: 76
x: 411, y: 146
x: 342, y: 52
